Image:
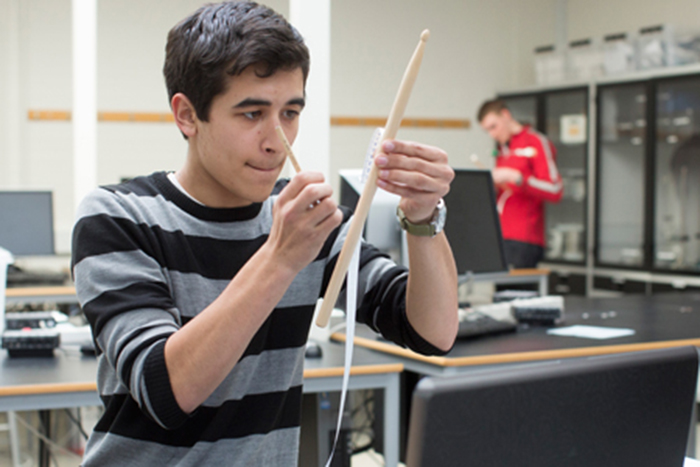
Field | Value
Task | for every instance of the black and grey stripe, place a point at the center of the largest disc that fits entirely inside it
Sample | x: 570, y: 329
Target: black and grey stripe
x: 146, y: 260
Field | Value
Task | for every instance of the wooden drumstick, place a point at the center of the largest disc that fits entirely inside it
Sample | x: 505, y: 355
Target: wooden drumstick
x: 288, y: 148
x: 363, y: 204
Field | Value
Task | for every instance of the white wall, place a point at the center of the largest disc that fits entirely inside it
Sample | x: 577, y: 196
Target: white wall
x: 476, y: 48
x: 596, y: 18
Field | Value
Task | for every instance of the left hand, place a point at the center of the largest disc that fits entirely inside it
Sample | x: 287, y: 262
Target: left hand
x: 503, y: 176
x: 418, y: 173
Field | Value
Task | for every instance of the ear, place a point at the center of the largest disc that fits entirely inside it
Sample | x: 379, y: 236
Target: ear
x: 185, y: 115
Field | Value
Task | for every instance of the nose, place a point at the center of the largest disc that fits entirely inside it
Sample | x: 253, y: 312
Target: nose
x: 271, y: 142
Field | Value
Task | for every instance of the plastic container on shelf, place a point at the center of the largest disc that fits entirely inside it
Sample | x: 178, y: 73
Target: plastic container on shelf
x: 654, y: 44
x: 584, y: 59
x: 684, y: 48
x: 550, y: 65
x: 618, y: 54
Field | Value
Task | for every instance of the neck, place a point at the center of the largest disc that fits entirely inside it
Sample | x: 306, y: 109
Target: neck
x: 515, y: 127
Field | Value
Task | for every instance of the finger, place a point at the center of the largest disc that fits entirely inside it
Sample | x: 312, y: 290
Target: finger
x: 329, y: 222
x: 400, y: 171
x: 413, y: 149
x: 416, y: 181
x: 418, y: 174
x: 434, y: 169
x: 297, y: 184
x: 408, y: 191
x: 313, y: 194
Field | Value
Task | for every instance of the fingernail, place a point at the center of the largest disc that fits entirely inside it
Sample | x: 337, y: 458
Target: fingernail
x: 383, y: 173
x: 382, y: 161
x: 388, y: 146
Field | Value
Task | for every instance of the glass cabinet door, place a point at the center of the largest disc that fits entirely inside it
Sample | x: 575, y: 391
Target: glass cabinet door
x: 566, y: 125
x: 677, y: 175
x: 621, y: 175
x: 523, y: 108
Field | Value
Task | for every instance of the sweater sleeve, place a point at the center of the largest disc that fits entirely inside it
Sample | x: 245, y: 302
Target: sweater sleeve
x: 125, y: 297
x: 381, y: 296
x: 544, y: 181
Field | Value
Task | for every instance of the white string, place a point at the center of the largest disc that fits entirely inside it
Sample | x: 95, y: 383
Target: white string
x: 350, y: 312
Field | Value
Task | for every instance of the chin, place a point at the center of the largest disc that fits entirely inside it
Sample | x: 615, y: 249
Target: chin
x: 262, y: 191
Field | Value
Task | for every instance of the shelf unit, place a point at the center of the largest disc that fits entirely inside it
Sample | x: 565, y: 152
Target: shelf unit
x: 636, y: 236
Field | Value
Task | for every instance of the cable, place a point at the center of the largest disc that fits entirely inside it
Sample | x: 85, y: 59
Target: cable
x: 47, y: 440
x: 77, y: 423
x: 366, y: 408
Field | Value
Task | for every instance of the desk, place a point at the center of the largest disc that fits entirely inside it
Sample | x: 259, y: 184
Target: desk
x: 515, y: 276
x: 69, y: 380
x: 59, y: 294
x: 659, y: 321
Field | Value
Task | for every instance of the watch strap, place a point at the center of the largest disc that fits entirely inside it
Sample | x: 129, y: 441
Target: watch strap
x: 419, y: 230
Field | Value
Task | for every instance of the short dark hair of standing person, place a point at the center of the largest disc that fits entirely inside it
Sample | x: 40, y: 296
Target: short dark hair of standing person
x: 491, y: 106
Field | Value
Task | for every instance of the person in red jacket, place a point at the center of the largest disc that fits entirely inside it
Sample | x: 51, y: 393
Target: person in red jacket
x: 525, y: 176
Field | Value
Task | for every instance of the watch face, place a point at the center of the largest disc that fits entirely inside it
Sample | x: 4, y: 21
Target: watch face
x: 440, y: 217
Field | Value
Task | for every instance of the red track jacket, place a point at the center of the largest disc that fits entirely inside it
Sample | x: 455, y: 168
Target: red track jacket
x: 521, y: 208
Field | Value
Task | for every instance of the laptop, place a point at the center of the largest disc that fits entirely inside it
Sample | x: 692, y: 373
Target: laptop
x: 632, y: 409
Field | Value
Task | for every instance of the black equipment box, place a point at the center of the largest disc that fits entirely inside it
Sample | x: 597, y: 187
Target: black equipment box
x: 29, y: 320
x: 31, y: 342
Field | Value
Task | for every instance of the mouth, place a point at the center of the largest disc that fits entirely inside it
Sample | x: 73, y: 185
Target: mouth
x: 264, y: 168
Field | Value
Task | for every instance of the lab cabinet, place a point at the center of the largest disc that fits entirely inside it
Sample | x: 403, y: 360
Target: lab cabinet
x: 648, y: 175
x: 676, y: 233
x: 566, y: 122
x: 565, y: 283
x: 562, y: 116
x: 524, y: 108
x: 619, y: 284
x: 621, y: 174
x: 629, y: 218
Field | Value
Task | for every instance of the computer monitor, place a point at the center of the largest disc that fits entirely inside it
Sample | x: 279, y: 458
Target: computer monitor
x: 381, y: 227
x: 625, y: 409
x: 473, y: 226
x: 26, y: 222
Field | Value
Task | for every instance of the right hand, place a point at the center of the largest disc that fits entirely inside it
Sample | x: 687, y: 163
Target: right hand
x: 303, y: 217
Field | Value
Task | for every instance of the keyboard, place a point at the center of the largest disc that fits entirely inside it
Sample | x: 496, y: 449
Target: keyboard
x: 17, y: 277
x: 473, y: 324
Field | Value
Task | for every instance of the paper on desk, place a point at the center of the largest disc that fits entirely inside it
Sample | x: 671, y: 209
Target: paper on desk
x: 591, y: 332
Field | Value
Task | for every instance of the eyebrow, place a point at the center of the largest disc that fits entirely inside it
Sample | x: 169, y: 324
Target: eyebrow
x: 253, y: 102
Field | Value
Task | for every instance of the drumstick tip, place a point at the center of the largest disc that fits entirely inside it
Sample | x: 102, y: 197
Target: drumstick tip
x: 425, y: 35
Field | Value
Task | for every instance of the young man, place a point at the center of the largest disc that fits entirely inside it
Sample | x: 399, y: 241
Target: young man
x: 200, y: 285
x: 525, y: 176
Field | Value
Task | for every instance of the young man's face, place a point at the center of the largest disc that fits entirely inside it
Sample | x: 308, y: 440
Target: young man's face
x: 237, y: 155
x: 497, y: 125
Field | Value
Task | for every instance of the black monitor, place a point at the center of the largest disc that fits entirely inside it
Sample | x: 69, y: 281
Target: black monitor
x: 473, y: 226
x: 26, y: 222
x: 609, y: 411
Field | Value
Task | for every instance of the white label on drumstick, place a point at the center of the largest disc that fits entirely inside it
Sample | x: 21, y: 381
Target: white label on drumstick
x: 369, y: 157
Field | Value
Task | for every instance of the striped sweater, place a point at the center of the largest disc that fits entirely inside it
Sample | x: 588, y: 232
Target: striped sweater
x: 147, y: 259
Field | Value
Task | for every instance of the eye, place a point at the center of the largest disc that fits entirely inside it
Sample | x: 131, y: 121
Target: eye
x: 291, y: 114
x: 252, y: 115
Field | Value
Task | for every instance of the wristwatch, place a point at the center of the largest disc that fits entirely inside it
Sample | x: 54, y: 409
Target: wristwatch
x: 430, y: 229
